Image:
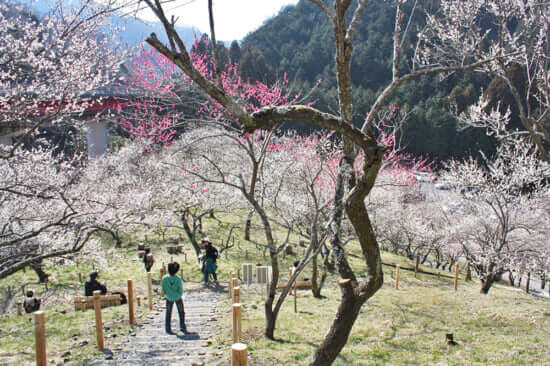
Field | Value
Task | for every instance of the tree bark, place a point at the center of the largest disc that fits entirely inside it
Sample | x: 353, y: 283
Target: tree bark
x: 316, y: 283
x: 248, y: 225
x: 486, y: 284
x: 37, y: 267
x: 337, y: 336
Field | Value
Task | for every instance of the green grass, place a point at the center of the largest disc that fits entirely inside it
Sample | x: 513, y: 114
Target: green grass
x: 396, y: 327
x: 407, y: 326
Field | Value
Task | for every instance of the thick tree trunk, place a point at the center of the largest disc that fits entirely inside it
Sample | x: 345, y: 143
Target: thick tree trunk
x: 486, y: 284
x: 337, y: 336
x: 37, y: 267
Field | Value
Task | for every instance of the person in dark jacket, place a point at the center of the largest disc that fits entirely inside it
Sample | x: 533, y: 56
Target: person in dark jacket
x: 31, y: 303
x: 148, y: 259
x: 211, y: 255
x: 93, y: 285
x: 172, y: 286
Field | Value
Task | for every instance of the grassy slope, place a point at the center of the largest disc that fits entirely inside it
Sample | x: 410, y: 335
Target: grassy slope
x: 396, y: 327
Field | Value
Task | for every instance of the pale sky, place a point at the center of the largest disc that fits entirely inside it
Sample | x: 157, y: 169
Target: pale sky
x: 233, y: 19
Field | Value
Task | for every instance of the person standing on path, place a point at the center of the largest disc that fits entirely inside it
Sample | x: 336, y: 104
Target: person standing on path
x: 148, y: 259
x: 210, y: 266
x: 172, y: 286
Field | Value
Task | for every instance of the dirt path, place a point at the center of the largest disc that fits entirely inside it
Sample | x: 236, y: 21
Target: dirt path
x: 150, y: 345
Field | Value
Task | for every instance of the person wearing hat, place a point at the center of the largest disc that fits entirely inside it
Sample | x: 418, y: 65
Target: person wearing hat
x: 210, y: 257
x: 31, y: 303
x: 93, y: 285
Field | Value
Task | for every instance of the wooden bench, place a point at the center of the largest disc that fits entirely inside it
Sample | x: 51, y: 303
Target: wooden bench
x: 300, y: 285
x: 87, y: 302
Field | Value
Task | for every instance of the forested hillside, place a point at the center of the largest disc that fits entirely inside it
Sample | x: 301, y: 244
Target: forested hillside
x: 300, y: 42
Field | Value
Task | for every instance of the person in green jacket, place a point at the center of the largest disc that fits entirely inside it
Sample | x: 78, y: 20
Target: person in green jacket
x: 172, y: 286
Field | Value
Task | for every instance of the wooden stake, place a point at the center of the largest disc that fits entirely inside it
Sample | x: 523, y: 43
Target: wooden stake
x: 181, y: 273
x: 456, y: 276
x: 185, y: 256
x: 231, y: 275
x: 438, y: 274
x: 397, y: 268
x: 40, y: 337
x: 98, y: 320
x: 295, y: 298
x: 234, y: 283
x: 528, y: 282
x: 19, y: 308
x: 416, y: 265
x: 236, y: 323
x: 83, y: 305
x: 79, y: 277
x: 131, y: 302
x: 139, y: 300
x: 150, y: 290
x: 236, y: 295
x: 239, y: 355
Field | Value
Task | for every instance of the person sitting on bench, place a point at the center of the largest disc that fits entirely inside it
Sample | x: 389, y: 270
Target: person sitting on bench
x: 31, y: 303
x: 93, y: 285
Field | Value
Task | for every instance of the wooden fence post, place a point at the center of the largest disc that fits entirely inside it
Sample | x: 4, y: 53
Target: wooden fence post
x: 236, y: 295
x: 456, y: 276
x: 150, y: 290
x: 230, y: 287
x: 40, y: 337
x: 295, y: 298
x: 236, y: 323
x: 131, y: 302
x: 234, y: 283
x: 98, y: 320
x: 528, y: 282
x: 239, y: 355
x: 161, y: 272
x: 139, y: 300
x: 83, y: 305
x: 397, y: 268
x: 19, y: 308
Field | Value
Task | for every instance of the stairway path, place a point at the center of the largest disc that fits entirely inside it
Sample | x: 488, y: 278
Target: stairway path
x: 150, y: 345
